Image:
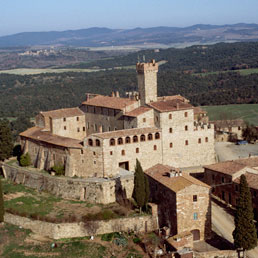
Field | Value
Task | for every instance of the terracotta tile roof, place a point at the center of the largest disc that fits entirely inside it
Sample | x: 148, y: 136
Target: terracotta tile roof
x: 199, y: 110
x: 252, y: 180
x: 176, y: 184
x: 64, y: 112
x: 37, y: 133
x: 174, y: 97
x: 138, y: 111
x: 226, y: 167
x: 109, y: 102
x: 127, y: 132
x: 228, y: 123
x: 170, y: 105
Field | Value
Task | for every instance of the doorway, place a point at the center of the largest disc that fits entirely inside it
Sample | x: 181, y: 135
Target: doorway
x: 124, y: 165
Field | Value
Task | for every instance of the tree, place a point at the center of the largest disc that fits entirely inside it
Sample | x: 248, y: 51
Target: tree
x: 1, y: 203
x: 25, y: 160
x: 250, y: 133
x: 6, y: 143
x: 244, y: 235
x: 141, y: 186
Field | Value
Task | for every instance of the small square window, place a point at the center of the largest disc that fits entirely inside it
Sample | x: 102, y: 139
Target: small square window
x: 77, y: 118
x: 194, y: 198
x: 171, y: 145
x: 78, y: 129
x: 123, y: 152
x: 83, y: 128
x: 186, y: 142
x: 111, y: 153
x: 155, y: 147
x: 137, y: 150
x: 199, y: 140
x: 64, y: 127
x: 144, y: 120
x: 206, y: 139
x: 195, y: 216
x: 186, y: 114
x: 170, y: 130
x: 94, y: 153
x: 64, y: 119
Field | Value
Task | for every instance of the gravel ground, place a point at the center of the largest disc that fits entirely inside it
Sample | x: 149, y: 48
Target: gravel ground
x: 230, y: 151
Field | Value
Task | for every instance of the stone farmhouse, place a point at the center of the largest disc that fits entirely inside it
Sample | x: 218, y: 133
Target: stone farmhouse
x: 224, y: 178
x: 107, y: 133
x: 228, y: 130
x: 188, y: 200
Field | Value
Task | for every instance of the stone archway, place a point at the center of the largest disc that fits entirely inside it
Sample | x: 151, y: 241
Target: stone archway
x: 196, y: 234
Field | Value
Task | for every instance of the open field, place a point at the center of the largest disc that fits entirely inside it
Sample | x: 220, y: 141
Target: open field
x: 247, y: 112
x: 241, y: 71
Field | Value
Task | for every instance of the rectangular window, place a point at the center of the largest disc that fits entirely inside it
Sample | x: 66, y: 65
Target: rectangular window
x: 64, y: 127
x: 171, y: 145
x: 206, y: 139
x: 186, y: 142
x: 144, y: 120
x: 199, y: 140
x: 81, y: 151
x: 194, y: 198
x: 123, y: 152
x: 186, y: 128
x: 170, y: 116
x: 195, y: 216
x: 64, y: 119
x: 186, y: 114
x: 223, y: 180
x: 170, y: 130
x: 83, y: 128
x: 111, y: 153
x: 77, y: 118
x: 78, y: 129
x: 137, y: 150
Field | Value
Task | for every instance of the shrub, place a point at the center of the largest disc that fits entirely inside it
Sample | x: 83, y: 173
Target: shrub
x: 59, y: 169
x: 25, y: 160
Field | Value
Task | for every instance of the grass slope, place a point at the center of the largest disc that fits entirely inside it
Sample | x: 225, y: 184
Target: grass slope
x: 247, y: 112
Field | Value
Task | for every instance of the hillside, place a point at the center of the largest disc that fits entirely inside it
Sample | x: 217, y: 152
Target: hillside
x: 103, y: 37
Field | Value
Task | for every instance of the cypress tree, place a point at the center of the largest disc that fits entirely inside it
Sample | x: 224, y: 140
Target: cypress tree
x: 6, y: 142
x: 147, y: 191
x: 139, y: 185
x: 244, y: 235
x: 1, y: 203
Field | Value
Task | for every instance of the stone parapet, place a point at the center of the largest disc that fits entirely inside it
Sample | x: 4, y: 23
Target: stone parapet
x: 143, y: 67
x: 93, y: 190
x: 80, y: 229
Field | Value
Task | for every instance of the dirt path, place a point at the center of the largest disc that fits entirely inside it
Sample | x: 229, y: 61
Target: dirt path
x: 223, y: 225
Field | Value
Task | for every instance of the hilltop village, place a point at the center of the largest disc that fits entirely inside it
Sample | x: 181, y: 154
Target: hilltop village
x: 99, y: 142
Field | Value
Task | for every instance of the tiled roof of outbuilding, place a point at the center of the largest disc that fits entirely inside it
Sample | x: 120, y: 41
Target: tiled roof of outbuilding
x: 252, y: 180
x: 176, y: 184
x: 37, y: 133
x: 109, y: 102
x: 63, y: 112
x: 170, y: 105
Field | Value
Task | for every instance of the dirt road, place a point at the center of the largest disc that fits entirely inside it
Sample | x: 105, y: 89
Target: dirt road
x: 223, y: 225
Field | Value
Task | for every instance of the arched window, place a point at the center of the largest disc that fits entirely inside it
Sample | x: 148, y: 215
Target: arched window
x: 157, y: 136
x: 135, y: 138
x: 112, y: 142
x: 97, y: 142
x: 127, y: 139
x: 120, y: 141
x: 150, y: 137
x: 142, y: 138
x: 90, y: 142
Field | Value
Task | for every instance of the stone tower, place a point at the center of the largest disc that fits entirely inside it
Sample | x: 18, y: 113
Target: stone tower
x: 147, y: 81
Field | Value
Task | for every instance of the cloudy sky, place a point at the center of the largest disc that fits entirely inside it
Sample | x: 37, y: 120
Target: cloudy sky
x: 44, y: 15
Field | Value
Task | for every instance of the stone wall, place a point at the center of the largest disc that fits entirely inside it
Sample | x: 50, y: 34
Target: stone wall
x: 94, y: 190
x: 70, y: 230
x: 216, y: 254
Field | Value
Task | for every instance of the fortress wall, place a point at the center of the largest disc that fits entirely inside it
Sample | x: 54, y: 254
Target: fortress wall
x: 69, y: 230
x: 94, y: 190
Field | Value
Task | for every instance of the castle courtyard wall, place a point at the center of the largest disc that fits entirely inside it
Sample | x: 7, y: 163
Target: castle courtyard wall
x: 93, y: 190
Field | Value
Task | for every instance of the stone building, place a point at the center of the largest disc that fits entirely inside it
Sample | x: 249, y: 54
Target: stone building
x: 183, y: 201
x: 228, y: 130
x: 224, y: 178
x: 107, y: 133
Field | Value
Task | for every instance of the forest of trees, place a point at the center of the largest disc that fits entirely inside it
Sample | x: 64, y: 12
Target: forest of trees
x: 26, y: 95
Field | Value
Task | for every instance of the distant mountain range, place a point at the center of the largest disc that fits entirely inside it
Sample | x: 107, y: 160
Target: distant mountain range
x: 104, y: 37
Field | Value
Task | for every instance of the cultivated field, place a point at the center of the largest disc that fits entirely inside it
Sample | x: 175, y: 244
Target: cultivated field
x: 241, y: 71
x: 247, y: 112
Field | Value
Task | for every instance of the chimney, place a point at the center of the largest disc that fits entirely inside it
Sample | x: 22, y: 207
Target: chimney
x: 117, y: 94
x: 113, y: 94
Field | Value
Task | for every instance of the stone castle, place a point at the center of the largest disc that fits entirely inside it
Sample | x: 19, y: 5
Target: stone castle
x: 106, y: 134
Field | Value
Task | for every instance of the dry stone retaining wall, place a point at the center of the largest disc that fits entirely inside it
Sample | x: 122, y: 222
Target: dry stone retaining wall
x: 92, y: 190
x: 81, y: 229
